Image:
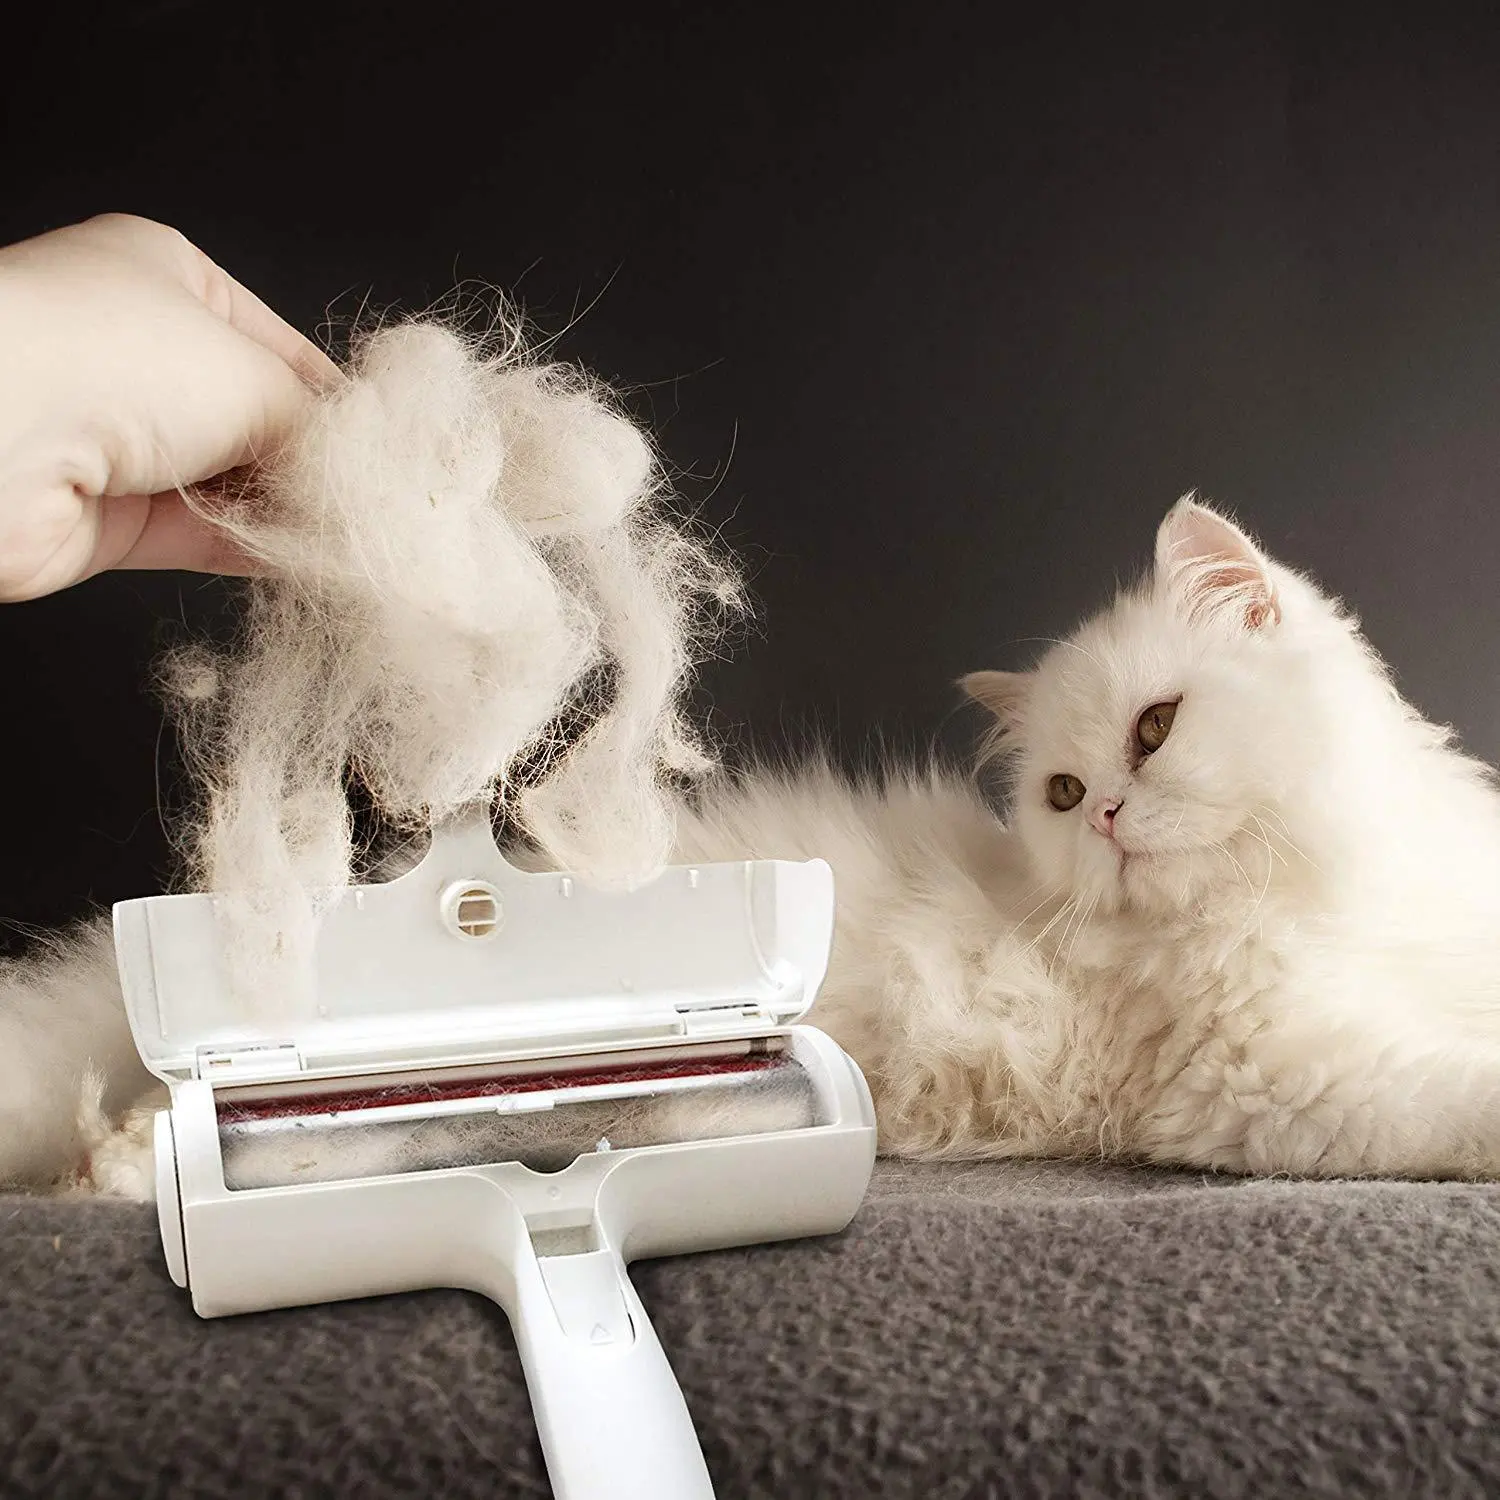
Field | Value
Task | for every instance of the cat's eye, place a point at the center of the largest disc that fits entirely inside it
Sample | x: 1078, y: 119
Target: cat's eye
x: 1065, y: 792
x: 1153, y: 726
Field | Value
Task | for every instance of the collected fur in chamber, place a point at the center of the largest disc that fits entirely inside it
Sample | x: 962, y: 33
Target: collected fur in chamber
x: 273, y: 1149
x: 456, y: 548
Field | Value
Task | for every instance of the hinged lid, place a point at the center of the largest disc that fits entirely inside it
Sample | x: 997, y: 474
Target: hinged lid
x: 465, y: 956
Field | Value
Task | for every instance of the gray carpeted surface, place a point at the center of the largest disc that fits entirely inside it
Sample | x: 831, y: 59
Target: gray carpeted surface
x: 995, y: 1330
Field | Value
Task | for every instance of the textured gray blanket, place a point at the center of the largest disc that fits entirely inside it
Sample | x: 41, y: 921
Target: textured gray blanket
x: 997, y: 1330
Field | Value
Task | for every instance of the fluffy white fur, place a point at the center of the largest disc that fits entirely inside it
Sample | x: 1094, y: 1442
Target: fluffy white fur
x: 68, y: 1065
x: 292, y: 1151
x: 468, y: 564
x: 456, y: 547
x: 1281, y: 955
x: 1285, y: 959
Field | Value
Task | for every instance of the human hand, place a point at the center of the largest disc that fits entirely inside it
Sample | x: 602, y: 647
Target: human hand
x: 131, y: 367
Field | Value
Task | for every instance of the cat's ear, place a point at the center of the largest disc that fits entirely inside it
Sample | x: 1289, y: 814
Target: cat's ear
x: 1004, y: 694
x: 1213, y: 567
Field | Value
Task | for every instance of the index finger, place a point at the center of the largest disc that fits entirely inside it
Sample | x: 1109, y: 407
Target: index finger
x: 247, y: 314
x: 238, y: 306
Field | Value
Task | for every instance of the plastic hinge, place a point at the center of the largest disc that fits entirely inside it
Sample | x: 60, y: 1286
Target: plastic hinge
x: 717, y: 1020
x: 264, y: 1060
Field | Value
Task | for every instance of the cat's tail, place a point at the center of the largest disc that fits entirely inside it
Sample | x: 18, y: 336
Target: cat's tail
x: 66, y: 1056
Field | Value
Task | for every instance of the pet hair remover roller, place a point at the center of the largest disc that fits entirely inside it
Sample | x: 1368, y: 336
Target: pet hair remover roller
x: 516, y: 1084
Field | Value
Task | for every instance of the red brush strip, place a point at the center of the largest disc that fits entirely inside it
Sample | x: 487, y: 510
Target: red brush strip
x: 231, y: 1112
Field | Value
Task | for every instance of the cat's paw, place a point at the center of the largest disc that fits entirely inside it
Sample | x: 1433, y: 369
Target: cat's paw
x: 118, y: 1158
x: 123, y: 1165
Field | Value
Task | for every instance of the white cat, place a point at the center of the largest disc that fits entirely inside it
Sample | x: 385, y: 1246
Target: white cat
x: 1246, y: 913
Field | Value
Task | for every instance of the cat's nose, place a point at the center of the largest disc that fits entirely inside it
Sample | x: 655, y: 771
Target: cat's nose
x: 1103, y: 818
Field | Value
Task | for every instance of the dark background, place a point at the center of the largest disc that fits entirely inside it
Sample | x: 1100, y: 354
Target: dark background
x: 937, y: 312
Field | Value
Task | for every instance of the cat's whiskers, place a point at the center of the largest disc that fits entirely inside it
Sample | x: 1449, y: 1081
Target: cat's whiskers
x: 1283, y: 835
x: 1051, y: 895
x: 1084, y: 921
x: 1066, y: 909
x: 1255, y: 911
x: 1261, y: 899
x: 1223, y: 848
x: 1261, y: 838
x: 1053, y: 961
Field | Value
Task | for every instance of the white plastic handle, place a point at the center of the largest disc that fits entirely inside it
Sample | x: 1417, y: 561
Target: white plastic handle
x: 609, y: 1411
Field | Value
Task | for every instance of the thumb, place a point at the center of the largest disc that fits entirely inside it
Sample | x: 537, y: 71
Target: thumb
x: 153, y: 532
